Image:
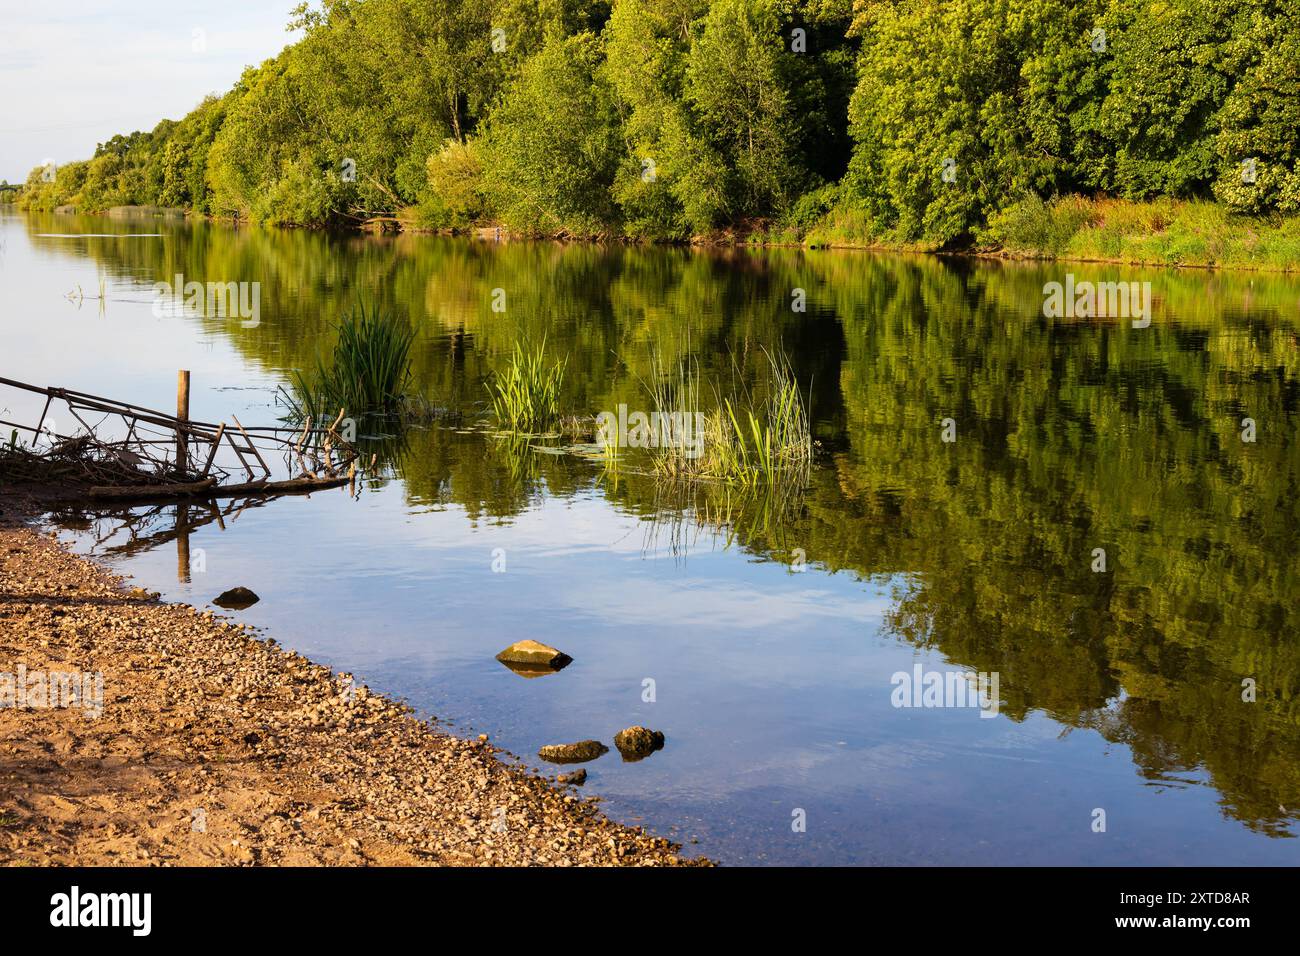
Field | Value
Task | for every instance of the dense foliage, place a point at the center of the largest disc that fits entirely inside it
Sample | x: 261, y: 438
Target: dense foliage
x: 918, y: 120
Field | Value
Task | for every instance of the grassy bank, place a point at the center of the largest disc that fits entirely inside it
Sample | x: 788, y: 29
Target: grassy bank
x: 1161, y: 232
x: 1164, y: 232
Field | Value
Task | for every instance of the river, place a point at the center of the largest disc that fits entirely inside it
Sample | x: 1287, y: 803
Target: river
x: 1072, y: 506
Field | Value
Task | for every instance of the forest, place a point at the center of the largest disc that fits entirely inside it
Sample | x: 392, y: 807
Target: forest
x: 938, y: 124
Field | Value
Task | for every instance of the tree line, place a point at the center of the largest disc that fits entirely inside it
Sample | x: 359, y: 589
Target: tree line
x: 916, y: 120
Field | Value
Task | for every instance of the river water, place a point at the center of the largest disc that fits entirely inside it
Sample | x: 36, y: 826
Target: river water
x: 1145, y: 713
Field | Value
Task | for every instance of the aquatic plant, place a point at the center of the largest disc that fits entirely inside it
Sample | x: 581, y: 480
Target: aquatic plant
x: 676, y: 392
x: 368, y: 371
x: 774, y: 442
x: 744, y: 442
x: 526, y: 395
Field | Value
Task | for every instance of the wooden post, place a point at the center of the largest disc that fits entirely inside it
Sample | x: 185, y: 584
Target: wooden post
x: 183, y: 413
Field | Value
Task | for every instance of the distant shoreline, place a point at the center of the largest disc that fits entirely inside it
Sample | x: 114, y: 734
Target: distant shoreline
x: 1163, y: 233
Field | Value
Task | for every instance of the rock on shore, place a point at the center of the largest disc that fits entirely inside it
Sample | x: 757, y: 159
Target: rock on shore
x: 580, y: 752
x: 637, y: 743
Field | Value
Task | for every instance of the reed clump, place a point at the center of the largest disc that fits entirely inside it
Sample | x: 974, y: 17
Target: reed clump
x: 744, y: 441
x: 526, y: 395
x: 368, y: 372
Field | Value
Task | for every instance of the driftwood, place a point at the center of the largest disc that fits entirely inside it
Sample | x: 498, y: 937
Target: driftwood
x: 289, y: 487
x: 209, y: 489
x: 147, y: 492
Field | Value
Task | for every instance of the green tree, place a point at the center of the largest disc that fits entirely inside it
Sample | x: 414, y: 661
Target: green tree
x: 735, y: 85
x: 553, y: 143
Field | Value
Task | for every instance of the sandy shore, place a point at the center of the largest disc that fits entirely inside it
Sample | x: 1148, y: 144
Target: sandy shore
x: 216, y: 747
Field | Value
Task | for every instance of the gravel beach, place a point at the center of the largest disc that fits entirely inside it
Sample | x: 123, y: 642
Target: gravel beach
x: 214, y: 746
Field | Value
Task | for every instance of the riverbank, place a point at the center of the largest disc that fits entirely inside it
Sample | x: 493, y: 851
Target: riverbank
x: 1161, y: 232
x: 216, y: 747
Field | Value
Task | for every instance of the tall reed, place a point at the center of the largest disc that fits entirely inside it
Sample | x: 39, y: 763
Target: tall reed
x: 745, y: 442
x: 368, y: 372
x: 526, y: 396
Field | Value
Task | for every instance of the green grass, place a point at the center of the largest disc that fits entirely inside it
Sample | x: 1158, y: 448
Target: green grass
x: 368, y: 372
x: 770, y: 444
x: 1166, y: 232
x: 845, y: 225
x: 747, y: 442
x: 526, y: 396
x: 1159, y: 232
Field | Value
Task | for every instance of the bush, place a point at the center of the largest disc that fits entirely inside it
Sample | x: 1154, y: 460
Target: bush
x: 1036, y: 227
x: 455, y: 192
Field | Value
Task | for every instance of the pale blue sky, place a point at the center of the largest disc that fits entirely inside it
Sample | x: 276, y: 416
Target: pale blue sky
x: 74, y: 72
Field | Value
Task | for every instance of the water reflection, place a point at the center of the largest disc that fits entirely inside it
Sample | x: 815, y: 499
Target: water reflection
x: 1073, y: 436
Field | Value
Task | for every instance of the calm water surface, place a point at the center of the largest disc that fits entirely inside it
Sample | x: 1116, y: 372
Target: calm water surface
x: 770, y: 631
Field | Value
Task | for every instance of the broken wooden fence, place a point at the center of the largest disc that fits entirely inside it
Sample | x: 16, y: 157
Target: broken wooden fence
x: 127, y: 451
